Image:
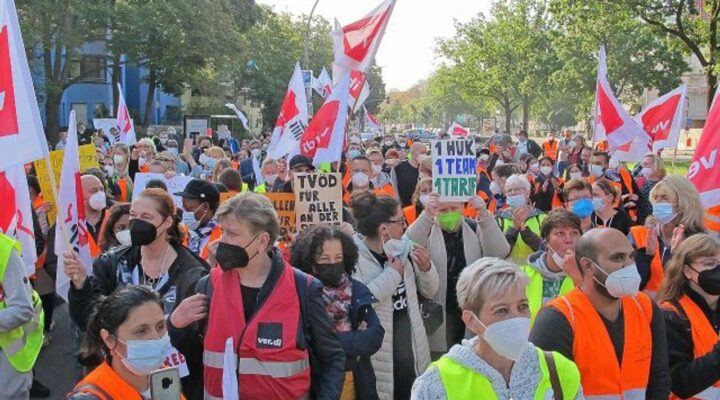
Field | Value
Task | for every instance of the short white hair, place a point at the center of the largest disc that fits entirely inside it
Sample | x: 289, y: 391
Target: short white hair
x: 148, y: 142
x: 487, y: 278
x: 518, y: 180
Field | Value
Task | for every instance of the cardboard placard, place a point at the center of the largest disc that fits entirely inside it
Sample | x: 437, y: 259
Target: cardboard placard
x: 284, y: 204
x: 318, y: 199
x: 454, y: 169
x: 176, y: 184
x: 88, y: 159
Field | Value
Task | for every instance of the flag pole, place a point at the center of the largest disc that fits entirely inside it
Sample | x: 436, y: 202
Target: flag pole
x: 674, y: 158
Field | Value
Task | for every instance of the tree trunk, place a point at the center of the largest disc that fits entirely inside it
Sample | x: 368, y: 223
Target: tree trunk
x: 52, y: 111
x: 115, y: 81
x: 508, y: 114
x: 712, y: 82
x: 150, y: 100
x: 526, y: 113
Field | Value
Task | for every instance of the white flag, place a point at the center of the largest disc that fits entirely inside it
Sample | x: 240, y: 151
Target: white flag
x: 293, y: 118
x: 355, y: 44
x: 71, y: 212
x: 124, y: 122
x: 663, y: 118
x: 22, y: 138
x: 323, y: 84
x: 16, y: 213
x: 240, y: 115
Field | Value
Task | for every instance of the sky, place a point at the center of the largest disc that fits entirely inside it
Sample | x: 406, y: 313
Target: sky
x: 407, y: 51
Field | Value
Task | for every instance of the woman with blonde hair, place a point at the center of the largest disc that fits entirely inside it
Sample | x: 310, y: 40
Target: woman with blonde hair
x: 677, y: 215
x: 220, y: 166
x: 689, y: 299
x: 419, y: 199
x: 499, y: 362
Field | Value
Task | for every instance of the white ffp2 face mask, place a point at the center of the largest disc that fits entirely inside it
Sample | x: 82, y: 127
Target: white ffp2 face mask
x: 623, y: 282
x: 509, y: 337
x: 123, y: 237
x: 98, y: 201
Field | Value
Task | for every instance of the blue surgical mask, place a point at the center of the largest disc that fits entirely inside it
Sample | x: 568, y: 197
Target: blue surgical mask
x: 190, y: 221
x: 354, y: 153
x: 516, y: 201
x: 597, y: 170
x: 582, y: 208
x: 145, y: 356
x: 598, y: 203
x: 210, y: 163
x: 663, y: 212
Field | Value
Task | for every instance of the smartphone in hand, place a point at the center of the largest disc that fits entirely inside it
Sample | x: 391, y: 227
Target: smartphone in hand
x: 165, y: 384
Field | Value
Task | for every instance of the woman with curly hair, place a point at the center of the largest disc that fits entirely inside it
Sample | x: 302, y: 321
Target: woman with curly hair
x: 330, y: 255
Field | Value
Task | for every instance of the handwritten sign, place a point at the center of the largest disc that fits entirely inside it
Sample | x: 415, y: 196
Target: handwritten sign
x: 318, y: 199
x: 88, y: 159
x: 106, y: 124
x: 284, y: 204
x: 175, y: 184
x: 454, y: 165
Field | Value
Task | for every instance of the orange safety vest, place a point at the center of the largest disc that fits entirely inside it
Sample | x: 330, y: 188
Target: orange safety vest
x: 215, y: 234
x: 712, y: 219
x: 482, y: 171
x: 550, y: 149
x: 557, y: 201
x: 94, y: 248
x: 627, y: 181
x: 410, y: 213
x: 593, y: 352
x: 492, y: 148
x: 386, y: 190
x: 471, y: 212
x: 124, y: 190
x: 270, y: 364
x: 104, y: 383
x: 704, y: 338
x: 657, y: 272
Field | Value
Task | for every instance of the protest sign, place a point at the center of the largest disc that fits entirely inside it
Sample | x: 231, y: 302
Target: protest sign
x: 106, y: 124
x: 318, y: 199
x: 284, y: 204
x: 454, y: 163
x: 175, y: 184
x: 88, y: 159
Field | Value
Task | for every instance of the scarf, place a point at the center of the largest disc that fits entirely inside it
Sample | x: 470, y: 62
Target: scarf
x: 337, y: 302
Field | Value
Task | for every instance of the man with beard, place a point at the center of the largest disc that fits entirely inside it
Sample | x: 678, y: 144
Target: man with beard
x: 614, y: 333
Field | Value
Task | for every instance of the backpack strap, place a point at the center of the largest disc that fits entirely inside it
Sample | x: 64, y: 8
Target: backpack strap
x: 90, y: 389
x: 554, y: 377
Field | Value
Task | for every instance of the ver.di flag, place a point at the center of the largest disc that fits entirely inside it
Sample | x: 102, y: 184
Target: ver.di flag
x: 612, y: 122
x: 126, y: 128
x: 324, y: 137
x: 323, y: 84
x: 371, y: 123
x: 662, y: 119
x: 16, y: 214
x: 704, y: 171
x: 71, y: 213
x: 21, y: 132
x: 292, y: 120
x: 458, y: 130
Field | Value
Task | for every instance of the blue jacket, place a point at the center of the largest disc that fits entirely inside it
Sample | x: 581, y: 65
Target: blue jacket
x: 359, y: 345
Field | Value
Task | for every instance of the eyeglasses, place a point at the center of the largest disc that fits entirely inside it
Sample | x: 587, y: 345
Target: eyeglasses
x: 398, y: 221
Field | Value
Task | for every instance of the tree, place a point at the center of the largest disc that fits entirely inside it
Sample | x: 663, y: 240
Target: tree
x: 56, y: 30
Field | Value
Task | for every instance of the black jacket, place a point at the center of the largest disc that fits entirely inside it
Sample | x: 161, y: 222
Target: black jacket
x: 534, y: 148
x: 359, y: 345
x: 327, y: 359
x: 690, y: 375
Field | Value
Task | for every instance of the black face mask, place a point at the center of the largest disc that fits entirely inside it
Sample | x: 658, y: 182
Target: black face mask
x: 329, y: 274
x: 230, y: 256
x: 142, y: 232
x: 709, y: 281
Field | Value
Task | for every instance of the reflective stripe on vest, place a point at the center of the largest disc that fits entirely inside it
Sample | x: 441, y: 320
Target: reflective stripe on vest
x: 603, y: 377
x: 704, y: 339
x: 534, y: 289
x: 22, y: 344
x: 521, y: 250
x: 461, y: 382
x: 271, y: 364
x: 657, y: 272
x: 252, y: 366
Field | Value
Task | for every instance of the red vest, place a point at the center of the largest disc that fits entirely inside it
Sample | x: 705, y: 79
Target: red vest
x: 270, y: 364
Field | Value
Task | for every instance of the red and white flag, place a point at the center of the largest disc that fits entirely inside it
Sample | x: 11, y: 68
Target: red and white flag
x: 355, y: 44
x: 293, y: 118
x: 323, y: 84
x: 371, y: 123
x: 126, y: 128
x: 612, y: 122
x: 21, y: 131
x: 704, y: 171
x: 458, y: 130
x: 324, y: 137
x: 662, y: 119
x: 359, y: 90
x: 16, y: 215
x: 71, y: 212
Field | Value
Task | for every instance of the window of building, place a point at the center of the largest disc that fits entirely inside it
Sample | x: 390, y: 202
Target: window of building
x: 88, y: 69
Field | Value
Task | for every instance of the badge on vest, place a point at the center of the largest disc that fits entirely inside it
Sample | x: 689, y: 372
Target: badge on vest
x: 270, y: 335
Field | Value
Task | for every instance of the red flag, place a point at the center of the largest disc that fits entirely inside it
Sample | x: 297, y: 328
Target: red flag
x: 292, y: 120
x: 71, y: 218
x: 662, y: 119
x: 458, y: 130
x: 16, y: 213
x: 355, y: 44
x: 323, y: 138
x: 704, y: 171
x: 21, y: 131
x: 371, y: 123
